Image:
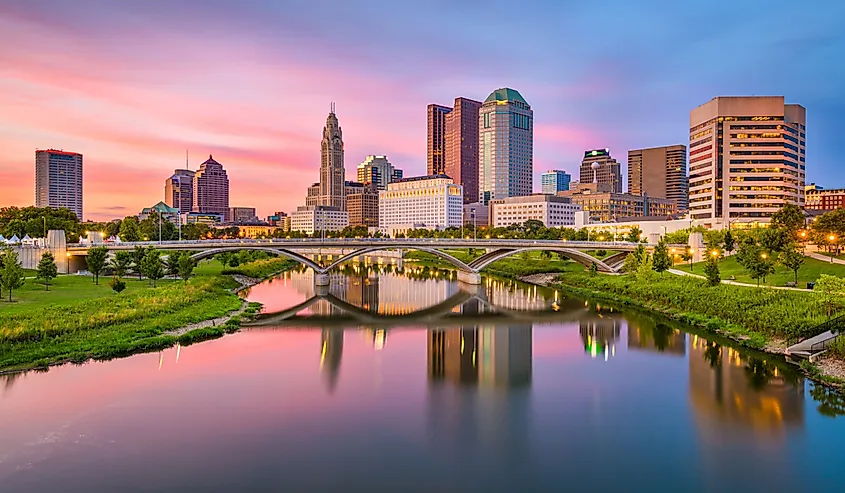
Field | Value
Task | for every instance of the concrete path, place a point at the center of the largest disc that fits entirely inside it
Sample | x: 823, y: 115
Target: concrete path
x: 825, y: 258
x: 734, y: 283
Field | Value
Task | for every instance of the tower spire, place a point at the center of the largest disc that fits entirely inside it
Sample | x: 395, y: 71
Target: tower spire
x: 332, y: 108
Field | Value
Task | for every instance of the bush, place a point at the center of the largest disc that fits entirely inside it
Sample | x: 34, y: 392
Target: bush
x: 260, y: 269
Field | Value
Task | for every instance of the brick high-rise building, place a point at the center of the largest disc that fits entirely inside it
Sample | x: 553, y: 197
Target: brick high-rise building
x: 362, y: 206
x: 211, y: 189
x: 58, y: 180
x: 435, y: 143
x: 179, y: 190
x: 505, y: 146
x: 659, y: 172
x: 601, y: 168
x: 746, y: 159
x: 461, y: 146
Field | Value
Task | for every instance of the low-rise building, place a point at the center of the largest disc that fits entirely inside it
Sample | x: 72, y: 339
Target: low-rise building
x: 652, y: 228
x: 430, y: 202
x: 277, y: 219
x: 253, y: 230
x: 477, y: 214
x: 318, y: 218
x: 242, y: 215
x: 203, y: 218
x: 817, y: 198
x: 552, y: 211
x: 170, y: 214
x: 608, y: 206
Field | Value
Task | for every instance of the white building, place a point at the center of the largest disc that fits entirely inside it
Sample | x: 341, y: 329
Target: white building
x: 652, y: 228
x: 430, y: 202
x: 553, y: 211
x: 318, y: 218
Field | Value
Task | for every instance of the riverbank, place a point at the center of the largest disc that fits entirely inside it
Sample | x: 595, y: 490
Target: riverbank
x: 523, y: 264
x: 761, y: 319
x: 116, y: 325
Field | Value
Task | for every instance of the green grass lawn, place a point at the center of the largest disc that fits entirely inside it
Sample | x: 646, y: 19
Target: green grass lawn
x: 809, y: 272
x: 521, y: 264
x: 70, y: 289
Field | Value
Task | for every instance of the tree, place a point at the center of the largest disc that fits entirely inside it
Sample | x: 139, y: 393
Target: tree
x: 97, y: 261
x: 661, y: 259
x: 792, y: 259
x: 130, y: 229
x: 594, y: 269
x: 47, y: 269
x: 117, y: 284
x: 729, y: 242
x: 634, y: 235
x: 138, y: 255
x: 152, y: 265
x: 11, y: 274
x: 789, y: 218
x: 830, y: 292
x: 173, y: 263
x: 711, y: 270
x: 830, y: 223
x: 120, y: 263
x: 186, y: 267
x: 633, y: 261
x: 755, y: 260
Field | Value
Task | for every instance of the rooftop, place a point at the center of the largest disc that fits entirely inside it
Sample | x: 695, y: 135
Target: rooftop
x: 421, y: 178
x: 505, y: 94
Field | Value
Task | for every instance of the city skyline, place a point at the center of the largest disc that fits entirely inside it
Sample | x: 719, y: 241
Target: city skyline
x: 133, y: 109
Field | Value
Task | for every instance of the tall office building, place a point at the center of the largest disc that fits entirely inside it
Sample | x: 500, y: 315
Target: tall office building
x: 58, y: 180
x: 378, y: 171
x: 435, y: 148
x: 332, y: 172
x: 179, y: 190
x: 599, y: 167
x: 747, y: 159
x: 659, y: 172
x: 211, y: 189
x: 505, y: 146
x: 462, y: 146
x: 554, y: 181
x: 362, y: 206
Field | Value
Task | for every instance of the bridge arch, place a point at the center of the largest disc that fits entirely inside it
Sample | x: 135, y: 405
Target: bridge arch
x: 445, y: 256
x: 570, y: 253
x: 275, y: 251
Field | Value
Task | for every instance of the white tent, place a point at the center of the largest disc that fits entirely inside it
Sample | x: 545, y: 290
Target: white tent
x: 2, y: 240
x: 14, y: 240
x: 27, y: 240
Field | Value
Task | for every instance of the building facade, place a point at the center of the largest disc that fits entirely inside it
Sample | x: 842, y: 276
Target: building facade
x: 430, y: 202
x: 554, y: 181
x: 332, y: 172
x: 58, y: 180
x: 746, y: 159
x: 607, y: 207
x: 462, y: 146
x: 817, y: 198
x: 435, y: 142
x: 242, y: 215
x: 505, y: 146
x: 552, y: 211
x: 659, y: 172
x: 319, y: 218
x: 477, y: 214
x: 378, y: 171
x: 167, y: 213
x: 211, y: 189
x: 179, y: 190
x: 600, y: 168
x: 363, y: 207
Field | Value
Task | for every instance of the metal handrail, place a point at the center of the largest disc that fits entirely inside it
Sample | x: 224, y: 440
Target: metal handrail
x: 833, y: 325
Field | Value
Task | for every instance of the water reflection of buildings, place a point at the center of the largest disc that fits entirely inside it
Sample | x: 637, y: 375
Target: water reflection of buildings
x: 377, y: 337
x: 494, y: 356
x: 729, y: 390
x: 330, y: 356
x: 513, y: 296
x: 600, y: 335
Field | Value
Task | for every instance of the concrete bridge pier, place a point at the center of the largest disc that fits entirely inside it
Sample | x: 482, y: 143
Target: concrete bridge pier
x: 473, y: 278
x: 321, y: 279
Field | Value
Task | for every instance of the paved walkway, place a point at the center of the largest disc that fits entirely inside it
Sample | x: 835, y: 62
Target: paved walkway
x: 824, y: 258
x: 734, y: 283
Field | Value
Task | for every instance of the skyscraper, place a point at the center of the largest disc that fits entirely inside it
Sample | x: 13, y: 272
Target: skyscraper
x: 659, y: 172
x: 554, y: 181
x: 435, y: 148
x: 461, y: 146
x: 747, y: 159
x: 332, y: 172
x: 506, y: 146
x: 378, y: 171
x: 179, y: 190
x: 58, y: 180
x: 601, y: 168
x: 211, y: 189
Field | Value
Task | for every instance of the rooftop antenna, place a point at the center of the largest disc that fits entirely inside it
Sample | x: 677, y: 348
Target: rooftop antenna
x: 186, y: 160
x: 332, y: 106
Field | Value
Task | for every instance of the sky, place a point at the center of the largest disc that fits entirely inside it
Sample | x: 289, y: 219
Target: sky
x: 133, y: 84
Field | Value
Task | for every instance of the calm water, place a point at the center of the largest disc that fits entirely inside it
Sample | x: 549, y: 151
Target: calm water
x: 502, y: 388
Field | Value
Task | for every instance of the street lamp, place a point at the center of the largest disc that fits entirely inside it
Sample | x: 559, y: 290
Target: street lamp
x: 67, y: 264
x: 691, y: 251
x: 832, y: 239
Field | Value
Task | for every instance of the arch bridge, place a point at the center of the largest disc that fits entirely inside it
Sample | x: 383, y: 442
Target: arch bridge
x: 469, y: 272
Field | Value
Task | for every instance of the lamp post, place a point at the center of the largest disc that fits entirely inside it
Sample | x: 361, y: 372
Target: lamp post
x: 803, y: 235
x: 691, y: 251
x: 67, y: 264
x: 832, y: 239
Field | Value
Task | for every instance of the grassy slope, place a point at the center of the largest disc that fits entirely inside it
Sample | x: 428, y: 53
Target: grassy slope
x: 105, y: 325
x: 518, y: 265
x: 810, y: 271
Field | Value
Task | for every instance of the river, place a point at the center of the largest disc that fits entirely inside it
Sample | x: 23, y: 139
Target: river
x: 413, y: 382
